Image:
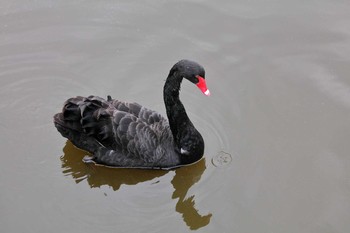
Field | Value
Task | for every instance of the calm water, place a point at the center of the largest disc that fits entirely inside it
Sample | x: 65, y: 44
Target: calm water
x: 276, y: 126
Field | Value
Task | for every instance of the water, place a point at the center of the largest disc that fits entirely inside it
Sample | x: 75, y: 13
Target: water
x: 276, y: 126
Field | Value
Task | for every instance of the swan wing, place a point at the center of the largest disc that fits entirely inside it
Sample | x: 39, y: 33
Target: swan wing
x: 147, y: 115
x: 121, y: 132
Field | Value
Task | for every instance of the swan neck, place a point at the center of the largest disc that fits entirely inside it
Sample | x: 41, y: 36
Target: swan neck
x: 175, y: 110
x: 188, y: 141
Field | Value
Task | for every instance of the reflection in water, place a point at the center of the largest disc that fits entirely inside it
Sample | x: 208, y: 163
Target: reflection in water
x: 97, y: 176
x: 183, y: 180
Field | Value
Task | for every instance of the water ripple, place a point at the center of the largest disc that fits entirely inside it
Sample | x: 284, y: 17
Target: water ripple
x: 32, y: 100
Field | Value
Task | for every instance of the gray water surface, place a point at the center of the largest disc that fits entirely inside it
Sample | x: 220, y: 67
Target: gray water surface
x: 276, y: 126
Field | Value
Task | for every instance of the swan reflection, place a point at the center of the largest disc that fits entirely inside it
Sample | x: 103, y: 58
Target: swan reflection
x: 97, y: 176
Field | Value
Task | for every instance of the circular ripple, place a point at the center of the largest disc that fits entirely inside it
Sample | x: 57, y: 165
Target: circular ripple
x: 221, y: 159
x: 29, y: 103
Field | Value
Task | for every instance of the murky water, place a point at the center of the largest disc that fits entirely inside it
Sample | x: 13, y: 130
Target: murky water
x: 276, y: 126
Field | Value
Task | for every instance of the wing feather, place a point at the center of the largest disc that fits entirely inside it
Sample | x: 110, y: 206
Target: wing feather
x: 129, y: 129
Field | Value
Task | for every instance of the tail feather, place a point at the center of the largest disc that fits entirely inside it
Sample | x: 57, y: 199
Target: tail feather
x: 80, y: 121
x: 64, y: 127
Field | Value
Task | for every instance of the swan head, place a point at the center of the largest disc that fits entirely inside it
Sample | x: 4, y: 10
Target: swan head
x: 193, y: 72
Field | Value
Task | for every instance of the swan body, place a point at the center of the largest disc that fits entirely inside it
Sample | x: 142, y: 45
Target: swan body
x: 128, y: 135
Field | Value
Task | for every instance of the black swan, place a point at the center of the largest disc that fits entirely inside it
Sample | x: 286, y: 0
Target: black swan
x: 127, y: 135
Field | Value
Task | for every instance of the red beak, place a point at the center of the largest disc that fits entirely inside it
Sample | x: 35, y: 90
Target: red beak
x: 202, y: 85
